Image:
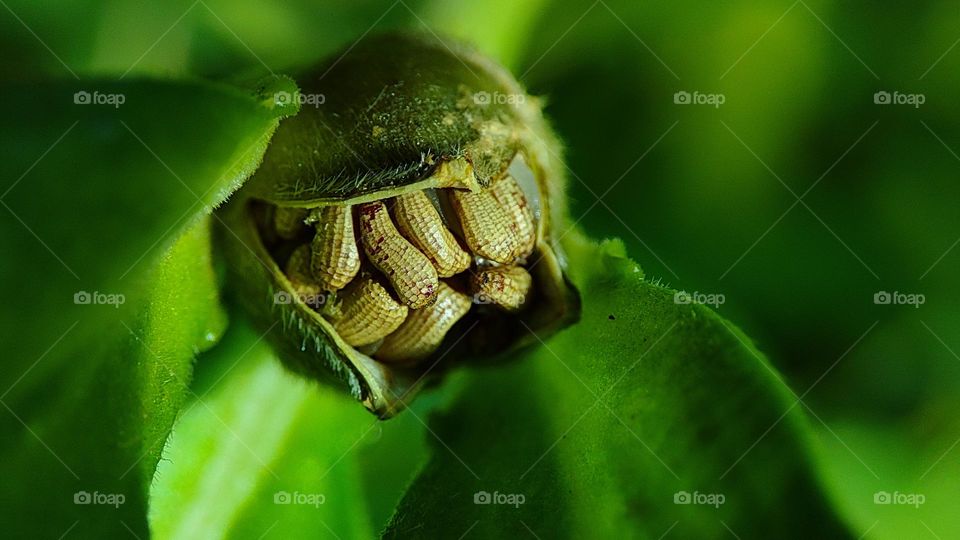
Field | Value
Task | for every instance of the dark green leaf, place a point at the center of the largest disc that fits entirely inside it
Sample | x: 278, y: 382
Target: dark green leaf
x: 606, y: 427
x: 109, y: 283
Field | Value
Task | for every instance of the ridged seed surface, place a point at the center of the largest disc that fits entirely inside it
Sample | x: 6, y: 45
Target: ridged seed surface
x: 368, y: 313
x: 336, y: 257
x: 410, y: 273
x: 487, y: 226
x: 418, y: 220
x: 505, y: 286
x: 510, y: 195
x: 410, y: 244
x: 424, y: 329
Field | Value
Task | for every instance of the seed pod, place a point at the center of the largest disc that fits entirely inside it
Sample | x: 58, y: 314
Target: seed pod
x: 403, y: 115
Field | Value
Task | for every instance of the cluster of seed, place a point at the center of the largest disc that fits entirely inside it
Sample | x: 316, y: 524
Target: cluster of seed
x: 398, y: 289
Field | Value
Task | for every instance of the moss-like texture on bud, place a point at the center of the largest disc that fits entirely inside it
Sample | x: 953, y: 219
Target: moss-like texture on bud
x: 386, y: 113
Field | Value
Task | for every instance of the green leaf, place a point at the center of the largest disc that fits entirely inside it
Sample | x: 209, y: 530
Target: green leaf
x: 506, y: 29
x: 602, y: 429
x: 916, y: 486
x: 262, y: 453
x: 109, y: 283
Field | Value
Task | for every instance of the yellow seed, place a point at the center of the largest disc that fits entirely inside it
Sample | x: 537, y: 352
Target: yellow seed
x: 298, y: 272
x: 409, y: 271
x: 504, y: 286
x: 510, y: 196
x: 420, y: 223
x: 487, y: 226
x: 336, y: 258
x: 368, y: 313
x: 288, y: 221
x: 424, y: 330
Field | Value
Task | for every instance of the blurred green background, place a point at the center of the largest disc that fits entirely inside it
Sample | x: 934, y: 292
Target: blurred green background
x: 798, y: 199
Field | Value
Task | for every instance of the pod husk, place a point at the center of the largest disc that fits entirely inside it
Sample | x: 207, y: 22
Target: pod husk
x: 396, y: 107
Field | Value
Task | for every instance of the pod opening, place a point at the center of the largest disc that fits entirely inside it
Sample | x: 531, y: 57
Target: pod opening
x: 445, y: 269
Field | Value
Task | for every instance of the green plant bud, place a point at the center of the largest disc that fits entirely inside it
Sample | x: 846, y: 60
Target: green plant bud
x: 382, y: 124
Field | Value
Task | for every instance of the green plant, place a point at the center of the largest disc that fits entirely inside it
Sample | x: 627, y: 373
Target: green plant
x: 138, y: 398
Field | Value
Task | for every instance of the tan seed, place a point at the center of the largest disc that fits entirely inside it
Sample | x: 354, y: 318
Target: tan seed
x: 487, y: 226
x: 511, y: 197
x: 336, y: 258
x: 368, y: 313
x: 423, y: 331
x: 288, y: 221
x: 413, y: 277
x: 419, y: 221
x: 506, y: 287
x: 298, y: 273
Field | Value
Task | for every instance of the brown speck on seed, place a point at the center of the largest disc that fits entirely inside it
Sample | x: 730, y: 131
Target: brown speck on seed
x: 406, y: 268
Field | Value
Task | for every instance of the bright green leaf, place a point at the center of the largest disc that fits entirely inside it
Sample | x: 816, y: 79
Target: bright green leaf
x: 262, y: 453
